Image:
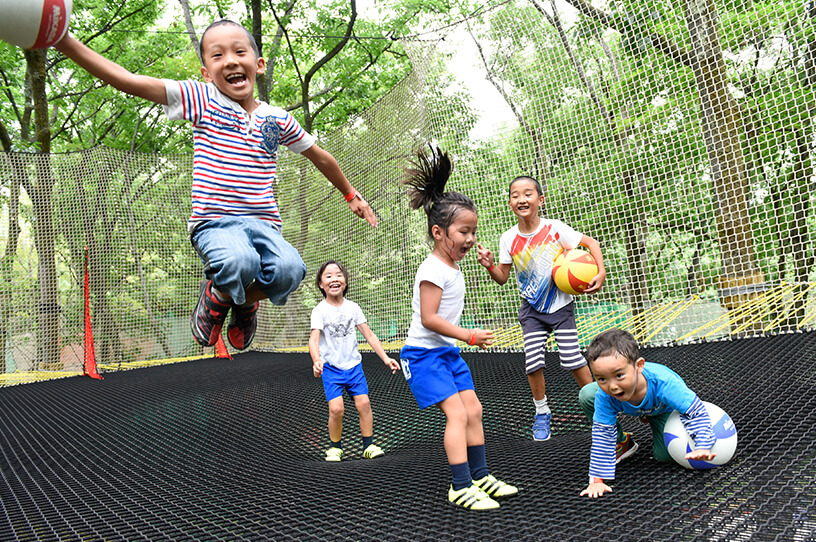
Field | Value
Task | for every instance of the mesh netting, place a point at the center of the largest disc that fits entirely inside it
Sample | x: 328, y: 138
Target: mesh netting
x: 233, y: 450
x: 680, y: 137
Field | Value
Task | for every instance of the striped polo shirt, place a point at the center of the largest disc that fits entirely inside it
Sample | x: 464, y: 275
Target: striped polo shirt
x: 235, y: 154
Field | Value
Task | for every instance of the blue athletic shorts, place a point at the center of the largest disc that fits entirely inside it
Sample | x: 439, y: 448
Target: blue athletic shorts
x: 434, y: 374
x: 336, y: 380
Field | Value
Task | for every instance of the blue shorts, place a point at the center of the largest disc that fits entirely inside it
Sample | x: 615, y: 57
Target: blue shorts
x: 434, y: 374
x: 238, y: 251
x: 336, y: 380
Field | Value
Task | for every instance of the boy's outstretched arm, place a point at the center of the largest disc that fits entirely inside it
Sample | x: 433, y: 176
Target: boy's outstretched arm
x: 376, y: 345
x: 143, y: 86
x: 594, y: 249
x: 697, y: 422
x: 328, y: 166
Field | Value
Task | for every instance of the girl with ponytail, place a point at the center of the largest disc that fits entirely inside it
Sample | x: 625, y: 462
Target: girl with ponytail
x: 436, y: 373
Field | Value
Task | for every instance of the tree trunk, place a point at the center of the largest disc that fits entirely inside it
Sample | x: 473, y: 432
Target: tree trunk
x: 722, y: 131
x: 800, y: 252
x: 48, y: 350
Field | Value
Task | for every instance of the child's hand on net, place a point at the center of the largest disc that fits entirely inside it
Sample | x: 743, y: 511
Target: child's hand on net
x: 317, y: 367
x: 595, y: 490
x: 392, y: 364
x: 701, y: 454
x: 484, y: 256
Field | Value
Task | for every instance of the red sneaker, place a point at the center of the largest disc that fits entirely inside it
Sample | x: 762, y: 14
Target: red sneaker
x: 208, y: 316
x: 242, y: 325
x: 626, y: 448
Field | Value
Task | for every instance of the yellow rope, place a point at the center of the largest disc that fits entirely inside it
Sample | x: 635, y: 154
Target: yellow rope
x: 673, y: 315
x: 646, y: 326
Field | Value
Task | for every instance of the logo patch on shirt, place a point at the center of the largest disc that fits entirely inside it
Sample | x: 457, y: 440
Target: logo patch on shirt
x: 270, y: 133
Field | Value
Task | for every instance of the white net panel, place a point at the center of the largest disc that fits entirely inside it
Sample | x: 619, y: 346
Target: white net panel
x: 680, y: 137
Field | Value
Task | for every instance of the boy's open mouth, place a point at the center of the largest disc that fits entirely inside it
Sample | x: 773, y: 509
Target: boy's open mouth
x: 236, y: 78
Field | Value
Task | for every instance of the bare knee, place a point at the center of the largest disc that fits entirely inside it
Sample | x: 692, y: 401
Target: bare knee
x: 363, y: 403
x: 474, y: 411
x: 336, y: 409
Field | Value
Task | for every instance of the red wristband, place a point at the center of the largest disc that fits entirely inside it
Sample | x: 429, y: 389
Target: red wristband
x: 472, y: 340
x: 491, y: 268
x: 351, y: 195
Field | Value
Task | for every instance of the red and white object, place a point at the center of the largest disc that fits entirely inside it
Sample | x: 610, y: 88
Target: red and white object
x: 34, y: 24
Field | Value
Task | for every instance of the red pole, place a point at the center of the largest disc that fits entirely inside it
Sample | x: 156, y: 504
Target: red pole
x: 89, y: 367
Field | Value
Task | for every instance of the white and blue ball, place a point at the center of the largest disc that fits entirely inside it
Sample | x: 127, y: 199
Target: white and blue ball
x: 679, y: 443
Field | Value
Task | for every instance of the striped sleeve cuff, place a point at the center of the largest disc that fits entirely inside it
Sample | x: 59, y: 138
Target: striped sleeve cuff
x: 698, y: 424
x: 602, y: 456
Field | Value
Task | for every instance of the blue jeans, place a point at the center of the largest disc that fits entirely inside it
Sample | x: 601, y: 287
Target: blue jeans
x: 237, y: 251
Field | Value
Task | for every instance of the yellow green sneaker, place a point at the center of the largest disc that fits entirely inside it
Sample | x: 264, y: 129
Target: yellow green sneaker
x: 471, y: 498
x: 334, y: 454
x: 495, y: 488
x: 372, y: 451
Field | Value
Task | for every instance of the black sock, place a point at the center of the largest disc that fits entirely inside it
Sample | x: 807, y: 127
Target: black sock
x: 368, y: 441
x: 477, y: 462
x: 338, y: 444
x: 461, y: 476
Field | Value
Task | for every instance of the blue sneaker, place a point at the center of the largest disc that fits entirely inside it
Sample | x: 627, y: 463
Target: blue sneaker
x: 541, y: 427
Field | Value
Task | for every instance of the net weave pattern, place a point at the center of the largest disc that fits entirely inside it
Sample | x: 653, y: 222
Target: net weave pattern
x: 233, y: 450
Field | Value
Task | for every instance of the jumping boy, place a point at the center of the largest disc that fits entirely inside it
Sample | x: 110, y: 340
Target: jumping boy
x: 235, y: 225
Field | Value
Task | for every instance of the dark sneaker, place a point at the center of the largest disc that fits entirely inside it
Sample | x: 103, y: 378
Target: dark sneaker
x: 241, y: 329
x: 626, y: 448
x: 208, y: 316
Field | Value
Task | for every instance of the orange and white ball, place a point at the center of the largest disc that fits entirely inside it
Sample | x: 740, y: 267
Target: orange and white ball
x: 34, y: 24
x: 573, y: 270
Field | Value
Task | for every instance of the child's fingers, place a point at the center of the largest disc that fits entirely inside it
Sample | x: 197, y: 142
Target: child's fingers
x: 361, y: 208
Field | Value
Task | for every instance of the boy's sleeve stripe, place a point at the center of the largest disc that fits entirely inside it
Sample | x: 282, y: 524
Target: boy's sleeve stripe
x: 602, y: 456
x: 698, y: 424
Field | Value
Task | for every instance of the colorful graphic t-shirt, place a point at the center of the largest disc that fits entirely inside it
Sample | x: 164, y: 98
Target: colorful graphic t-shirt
x: 532, y: 256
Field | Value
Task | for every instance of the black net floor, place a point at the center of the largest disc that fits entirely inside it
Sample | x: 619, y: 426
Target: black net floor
x: 233, y: 450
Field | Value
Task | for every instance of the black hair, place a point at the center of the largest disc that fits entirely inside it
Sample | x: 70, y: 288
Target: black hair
x: 426, y: 182
x: 537, y: 184
x: 613, y: 341
x: 223, y: 22
x: 320, y: 274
